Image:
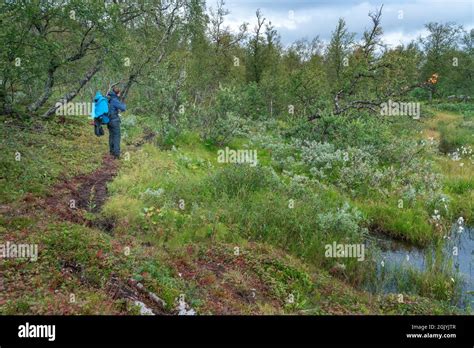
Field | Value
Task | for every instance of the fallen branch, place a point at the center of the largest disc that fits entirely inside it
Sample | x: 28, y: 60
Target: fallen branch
x: 153, y: 297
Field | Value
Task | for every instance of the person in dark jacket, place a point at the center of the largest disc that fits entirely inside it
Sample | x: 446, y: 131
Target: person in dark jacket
x: 115, y: 106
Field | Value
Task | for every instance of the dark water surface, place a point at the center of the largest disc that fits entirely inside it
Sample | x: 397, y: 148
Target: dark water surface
x: 395, y: 258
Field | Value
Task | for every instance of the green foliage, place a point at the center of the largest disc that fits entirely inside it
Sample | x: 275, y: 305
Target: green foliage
x: 222, y: 122
x: 33, y: 155
x: 406, y: 224
x: 237, y: 180
x: 466, y: 109
x: 446, y: 56
x: 162, y: 279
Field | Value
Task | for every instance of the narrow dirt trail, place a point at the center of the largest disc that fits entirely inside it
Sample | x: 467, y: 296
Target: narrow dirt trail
x: 70, y: 199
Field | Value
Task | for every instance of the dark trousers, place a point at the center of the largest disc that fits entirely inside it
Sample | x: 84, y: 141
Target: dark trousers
x: 114, y: 136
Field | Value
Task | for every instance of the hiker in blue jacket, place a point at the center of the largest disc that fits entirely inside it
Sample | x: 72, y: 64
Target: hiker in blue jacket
x: 115, y: 105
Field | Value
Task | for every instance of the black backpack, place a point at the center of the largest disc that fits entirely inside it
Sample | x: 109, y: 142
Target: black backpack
x: 98, y: 130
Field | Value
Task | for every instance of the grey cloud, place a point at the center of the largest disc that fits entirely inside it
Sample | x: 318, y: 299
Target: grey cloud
x: 313, y: 18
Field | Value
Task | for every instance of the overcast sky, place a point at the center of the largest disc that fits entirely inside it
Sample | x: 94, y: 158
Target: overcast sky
x: 296, y: 19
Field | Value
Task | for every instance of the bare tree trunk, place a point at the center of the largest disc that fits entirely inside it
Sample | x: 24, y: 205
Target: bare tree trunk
x: 48, y: 89
x: 71, y: 95
x: 54, y: 65
x: 131, y: 79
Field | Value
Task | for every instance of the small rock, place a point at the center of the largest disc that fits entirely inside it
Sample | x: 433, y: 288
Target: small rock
x: 144, y: 310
